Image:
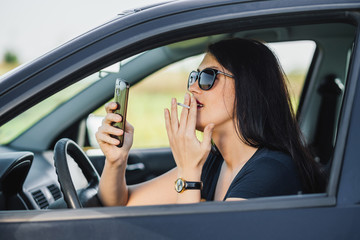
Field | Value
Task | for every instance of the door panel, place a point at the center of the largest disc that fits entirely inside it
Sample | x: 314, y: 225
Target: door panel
x: 302, y: 223
x: 143, y: 164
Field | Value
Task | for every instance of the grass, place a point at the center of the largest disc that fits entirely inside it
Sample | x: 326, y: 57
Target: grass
x: 146, y: 114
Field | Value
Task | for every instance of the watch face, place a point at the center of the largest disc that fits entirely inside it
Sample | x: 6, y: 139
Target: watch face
x: 179, y: 185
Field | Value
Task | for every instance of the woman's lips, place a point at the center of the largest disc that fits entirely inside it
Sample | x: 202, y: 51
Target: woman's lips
x: 199, y: 104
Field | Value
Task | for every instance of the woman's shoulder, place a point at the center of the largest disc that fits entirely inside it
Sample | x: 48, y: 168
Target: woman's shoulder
x: 272, y: 158
x: 267, y: 173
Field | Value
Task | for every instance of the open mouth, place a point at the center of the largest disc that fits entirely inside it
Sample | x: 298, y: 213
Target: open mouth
x: 199, y: 104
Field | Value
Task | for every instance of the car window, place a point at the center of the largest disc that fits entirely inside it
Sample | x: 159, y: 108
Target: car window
x: 295, y: 58
x: 149, y: 97
x: 24, y: 121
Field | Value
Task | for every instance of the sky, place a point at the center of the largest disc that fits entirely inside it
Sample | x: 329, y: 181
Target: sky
x: 32, y: 28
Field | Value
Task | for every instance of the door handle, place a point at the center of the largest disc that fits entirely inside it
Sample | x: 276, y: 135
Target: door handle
x: 135, y: 166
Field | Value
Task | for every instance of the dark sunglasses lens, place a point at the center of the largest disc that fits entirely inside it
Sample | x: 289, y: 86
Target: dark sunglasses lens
x: 192, y: 78
x: 206, y: 79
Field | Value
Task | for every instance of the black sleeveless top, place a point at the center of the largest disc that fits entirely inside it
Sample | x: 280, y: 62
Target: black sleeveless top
x: 267, y: 173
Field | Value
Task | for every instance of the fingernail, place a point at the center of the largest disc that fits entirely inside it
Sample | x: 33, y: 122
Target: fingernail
x: 173, y: 100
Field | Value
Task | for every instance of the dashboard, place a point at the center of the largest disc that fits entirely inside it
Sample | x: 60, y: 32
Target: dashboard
x: 36, y: 175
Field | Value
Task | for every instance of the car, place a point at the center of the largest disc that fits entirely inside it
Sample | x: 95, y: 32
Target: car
x: 49, y: 110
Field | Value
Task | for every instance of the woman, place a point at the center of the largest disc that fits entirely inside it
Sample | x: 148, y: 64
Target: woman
x: 252, y: 145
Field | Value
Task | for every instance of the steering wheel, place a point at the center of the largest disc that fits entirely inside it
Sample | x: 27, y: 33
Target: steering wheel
x: 88, y: 196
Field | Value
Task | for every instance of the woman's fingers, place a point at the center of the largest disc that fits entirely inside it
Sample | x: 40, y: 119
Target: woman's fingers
x: 108, y: 129
x: 129, y: 128
x: 207, y: 134
x: 187, y: 121
x: 171, y: 118
x: 128, y: 137
x: 110, y: 107
x: 107, y: 136
x: 174, y: 116
x: 184, y: 113
x: 112, y: 117
x: 168, y: 124
x: 191, y: 122
x: 104, y: 137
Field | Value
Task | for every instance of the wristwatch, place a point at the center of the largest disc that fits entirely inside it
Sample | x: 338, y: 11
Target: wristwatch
x: 181, y: 185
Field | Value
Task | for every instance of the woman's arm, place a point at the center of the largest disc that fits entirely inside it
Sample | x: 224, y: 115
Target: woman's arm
x: 159, y: 190
x: 113, y: 190
x: 112, y: 187
x: 189, y: 153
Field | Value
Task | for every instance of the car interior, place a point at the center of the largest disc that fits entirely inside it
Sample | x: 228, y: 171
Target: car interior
x: 28, y: 179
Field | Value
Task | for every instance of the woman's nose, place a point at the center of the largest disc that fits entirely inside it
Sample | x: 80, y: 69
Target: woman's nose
x: 194, y: 88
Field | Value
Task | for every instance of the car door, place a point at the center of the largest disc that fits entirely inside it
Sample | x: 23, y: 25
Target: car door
x: 332, y: 214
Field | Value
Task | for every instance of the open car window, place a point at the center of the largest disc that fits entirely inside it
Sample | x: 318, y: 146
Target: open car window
x: 153, y: 94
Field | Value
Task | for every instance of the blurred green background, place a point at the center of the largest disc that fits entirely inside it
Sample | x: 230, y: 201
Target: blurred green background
x: 147, y: 101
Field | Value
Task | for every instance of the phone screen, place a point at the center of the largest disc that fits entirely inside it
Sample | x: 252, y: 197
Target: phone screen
x: 121, y: 98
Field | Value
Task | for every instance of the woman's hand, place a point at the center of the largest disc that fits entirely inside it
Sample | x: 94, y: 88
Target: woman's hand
x: 108, y: 144
x: 189, y: 153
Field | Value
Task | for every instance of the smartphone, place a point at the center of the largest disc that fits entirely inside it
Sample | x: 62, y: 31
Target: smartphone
x: 121, y: 96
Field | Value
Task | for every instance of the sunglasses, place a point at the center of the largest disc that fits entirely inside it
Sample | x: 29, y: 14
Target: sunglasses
x: 206, y: 78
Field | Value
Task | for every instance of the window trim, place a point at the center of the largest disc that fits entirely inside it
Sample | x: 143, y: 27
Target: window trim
x: 268, y: 203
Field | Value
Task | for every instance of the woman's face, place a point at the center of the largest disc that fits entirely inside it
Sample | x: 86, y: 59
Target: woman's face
x: 215, y: 105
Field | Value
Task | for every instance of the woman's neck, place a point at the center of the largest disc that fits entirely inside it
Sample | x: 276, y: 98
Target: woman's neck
x: 234, y: 151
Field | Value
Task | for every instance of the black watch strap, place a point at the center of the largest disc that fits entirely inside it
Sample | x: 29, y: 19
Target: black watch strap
x: 181, y: 185
x: 193, y: 185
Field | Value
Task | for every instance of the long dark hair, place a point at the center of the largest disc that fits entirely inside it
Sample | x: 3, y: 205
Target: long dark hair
x: 264, y: 116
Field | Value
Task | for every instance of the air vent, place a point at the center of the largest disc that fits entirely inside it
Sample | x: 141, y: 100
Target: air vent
x: 40, y: 199
x: 55, y: 191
